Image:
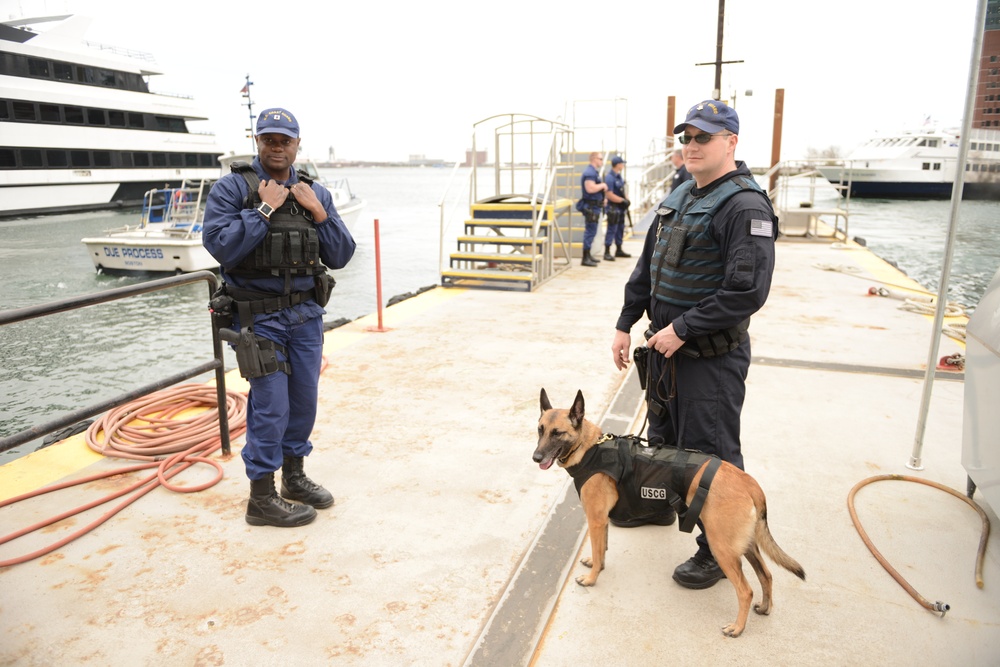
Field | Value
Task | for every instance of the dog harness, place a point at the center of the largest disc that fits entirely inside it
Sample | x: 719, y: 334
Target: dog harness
x: 650, y: 480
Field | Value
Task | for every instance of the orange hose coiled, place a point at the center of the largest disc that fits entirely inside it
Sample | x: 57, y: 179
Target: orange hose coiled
x: 146, y: 430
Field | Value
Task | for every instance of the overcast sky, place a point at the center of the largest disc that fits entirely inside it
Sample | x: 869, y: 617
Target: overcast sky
x: 384, y: 79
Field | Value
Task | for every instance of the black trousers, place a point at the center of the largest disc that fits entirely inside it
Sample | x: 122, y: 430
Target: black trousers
x: 702, y: 400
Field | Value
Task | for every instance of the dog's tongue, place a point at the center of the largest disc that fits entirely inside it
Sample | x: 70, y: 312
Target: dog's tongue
x: 546, y: 464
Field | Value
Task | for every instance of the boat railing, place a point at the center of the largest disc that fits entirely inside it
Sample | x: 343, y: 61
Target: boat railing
x: 807, y: 204
x: 216, y: 364
x: 180, y: 210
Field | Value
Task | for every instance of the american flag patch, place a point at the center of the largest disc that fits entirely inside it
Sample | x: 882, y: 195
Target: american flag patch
x: 761, y: 228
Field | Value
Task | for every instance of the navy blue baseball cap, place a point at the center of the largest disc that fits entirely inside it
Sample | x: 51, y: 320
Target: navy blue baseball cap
x: 616, y: 160
x: 277, y: 121
x: 711, y: 116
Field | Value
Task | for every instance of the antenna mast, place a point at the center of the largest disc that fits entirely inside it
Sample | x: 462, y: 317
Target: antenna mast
x: 249, y: 105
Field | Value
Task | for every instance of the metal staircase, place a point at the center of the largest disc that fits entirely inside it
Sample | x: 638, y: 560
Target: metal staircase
x: 522, y: 228
x: 517, y: 236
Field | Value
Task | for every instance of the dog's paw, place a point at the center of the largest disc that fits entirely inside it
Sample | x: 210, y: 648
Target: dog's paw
x: 732, y: 630
x: 588, y: 561
x: 586, y: 580
x: 762, y: 609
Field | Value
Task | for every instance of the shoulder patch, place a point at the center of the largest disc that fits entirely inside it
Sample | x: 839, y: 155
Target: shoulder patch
x: 761, y: 228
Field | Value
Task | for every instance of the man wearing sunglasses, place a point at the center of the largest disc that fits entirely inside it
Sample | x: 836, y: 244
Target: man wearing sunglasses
x: 705, y: 269
x: 591, y: 204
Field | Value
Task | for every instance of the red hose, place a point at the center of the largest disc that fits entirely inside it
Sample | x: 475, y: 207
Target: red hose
x: 146, y: 430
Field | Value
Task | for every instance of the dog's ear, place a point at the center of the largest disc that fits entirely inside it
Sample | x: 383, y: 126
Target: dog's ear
x: 543, y: 401
x: 576, y: 412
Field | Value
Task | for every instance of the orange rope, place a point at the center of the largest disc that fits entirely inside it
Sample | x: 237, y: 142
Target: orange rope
x: 146, y: 430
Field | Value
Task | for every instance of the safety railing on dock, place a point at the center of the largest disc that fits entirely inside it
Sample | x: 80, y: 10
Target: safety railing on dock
x: 74, y: 303
x: 808, y: 204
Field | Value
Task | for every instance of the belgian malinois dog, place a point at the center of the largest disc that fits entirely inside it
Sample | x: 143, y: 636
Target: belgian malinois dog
x: 734, y: 513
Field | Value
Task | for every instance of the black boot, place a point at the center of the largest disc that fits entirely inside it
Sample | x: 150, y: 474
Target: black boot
x: 265, y: 508
x: 621, y: 253
x: 296, y: 486
x: 699, y: 571
x: 587, y: 259
x: 608, y: 257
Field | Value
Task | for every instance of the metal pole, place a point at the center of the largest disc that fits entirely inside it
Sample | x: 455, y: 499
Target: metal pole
x: 378, y: 276
x: 956, y: 200
x: 717, y: 93
x: 779, y: 112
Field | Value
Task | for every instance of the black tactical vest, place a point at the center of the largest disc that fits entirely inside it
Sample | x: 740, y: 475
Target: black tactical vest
x: 291, y: 246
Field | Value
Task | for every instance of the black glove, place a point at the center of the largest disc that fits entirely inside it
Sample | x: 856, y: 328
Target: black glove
x: 626, y: 203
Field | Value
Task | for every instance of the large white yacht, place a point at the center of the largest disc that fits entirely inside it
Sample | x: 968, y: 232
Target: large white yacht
x: 919, y: 164
x: 80, y: 128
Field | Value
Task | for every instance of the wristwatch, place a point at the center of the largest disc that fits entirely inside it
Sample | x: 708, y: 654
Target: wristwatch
x: 265, y: 210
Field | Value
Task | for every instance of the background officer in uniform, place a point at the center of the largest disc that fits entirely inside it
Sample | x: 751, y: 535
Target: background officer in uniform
x: 591, y: 204
x: 681, y: 174
x: 617, y: 207
x: 711, y: 249
x: 282, y: 405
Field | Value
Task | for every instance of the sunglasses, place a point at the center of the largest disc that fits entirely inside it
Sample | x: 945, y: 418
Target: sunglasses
x: 700, y: 138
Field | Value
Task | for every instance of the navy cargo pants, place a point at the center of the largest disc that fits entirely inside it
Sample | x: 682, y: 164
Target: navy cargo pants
x: 702, y: 400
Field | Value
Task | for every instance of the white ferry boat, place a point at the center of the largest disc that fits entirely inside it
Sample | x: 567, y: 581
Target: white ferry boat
x: 919, y: 164
x: 80, y: 128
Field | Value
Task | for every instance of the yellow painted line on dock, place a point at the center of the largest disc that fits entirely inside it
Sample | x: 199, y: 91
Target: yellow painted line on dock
x: 46, y: 466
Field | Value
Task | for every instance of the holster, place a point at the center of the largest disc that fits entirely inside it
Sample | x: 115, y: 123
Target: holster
x: 255, y: 356
x: 641, y: 357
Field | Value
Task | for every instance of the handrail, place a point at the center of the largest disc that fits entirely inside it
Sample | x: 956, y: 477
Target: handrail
x: 444, y: 196
x: 217, y: 364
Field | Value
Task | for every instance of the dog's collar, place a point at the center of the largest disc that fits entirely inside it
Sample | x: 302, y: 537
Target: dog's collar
x: 604, y: 438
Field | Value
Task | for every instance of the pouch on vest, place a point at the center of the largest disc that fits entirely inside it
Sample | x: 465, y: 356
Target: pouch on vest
x: 675, y: 246
x: 324, y: 287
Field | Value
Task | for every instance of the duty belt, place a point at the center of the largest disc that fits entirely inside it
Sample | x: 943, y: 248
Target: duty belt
x: 267, y: 302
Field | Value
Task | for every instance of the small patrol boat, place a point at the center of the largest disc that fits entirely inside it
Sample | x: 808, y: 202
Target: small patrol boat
x: 166, y: 240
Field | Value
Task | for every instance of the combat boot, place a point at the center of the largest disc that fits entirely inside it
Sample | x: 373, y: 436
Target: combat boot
x: 621, y: 253
x: 296, y: 486
x: 587, y: 259
x: 266, y: 508
x: 608, y: 257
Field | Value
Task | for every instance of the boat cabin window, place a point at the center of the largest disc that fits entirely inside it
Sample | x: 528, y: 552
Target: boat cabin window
x: 79, y: 158
x: 96, y: 117
x: 56, y: 158
x: 937, y: 166
x: 116, y: 118
x: 31, y: 158
x: 926, y: 166
x: 7, y: 160
x: 74, y: 115
x: 49, y: 113
x: 24, y: 111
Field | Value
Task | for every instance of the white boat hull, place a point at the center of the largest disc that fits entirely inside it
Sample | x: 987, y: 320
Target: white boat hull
x: 145, y: 252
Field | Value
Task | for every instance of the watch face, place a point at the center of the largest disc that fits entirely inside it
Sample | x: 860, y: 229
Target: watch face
x: 266, y: 209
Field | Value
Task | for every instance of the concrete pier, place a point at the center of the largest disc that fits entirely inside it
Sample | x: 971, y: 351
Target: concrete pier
x: 448, y: 546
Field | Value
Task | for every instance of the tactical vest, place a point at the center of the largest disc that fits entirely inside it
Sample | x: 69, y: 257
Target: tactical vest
x: 650, y: 480
x: 687, y: 263
x: 291, y: 246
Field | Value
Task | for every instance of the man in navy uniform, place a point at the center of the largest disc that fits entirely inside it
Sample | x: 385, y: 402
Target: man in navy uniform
x: 591, y: 204
x: 618, y: 205
x: 681, y: 173
x: 275, y: 234
x: 706, y: 267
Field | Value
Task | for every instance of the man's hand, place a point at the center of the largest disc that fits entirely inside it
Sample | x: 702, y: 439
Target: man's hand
x: 620, y: 348
x: 305, y: 196
x: 272, y: 193
x: 665, y: 341
x: 626, y: 203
